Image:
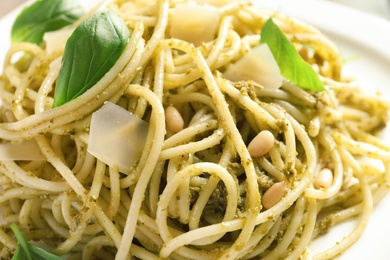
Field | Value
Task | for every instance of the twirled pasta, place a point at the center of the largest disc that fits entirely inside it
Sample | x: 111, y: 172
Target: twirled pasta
x: 197, y: 193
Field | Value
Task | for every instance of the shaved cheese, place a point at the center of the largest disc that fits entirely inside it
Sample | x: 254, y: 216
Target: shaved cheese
x: 195, y: 23
x: 218, y: 3
x: 56, y: 40
x: 117, y: 137
x: 258, y: 65
x: 26, y: 150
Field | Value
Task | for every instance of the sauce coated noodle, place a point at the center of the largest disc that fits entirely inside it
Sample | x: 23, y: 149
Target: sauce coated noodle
x: 196, y: 192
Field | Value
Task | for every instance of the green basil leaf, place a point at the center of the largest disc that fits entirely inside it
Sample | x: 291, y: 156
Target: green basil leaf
x: 291, y: 64
x: 90, y: 52
x: 27, y: 251
x: 44, y: 16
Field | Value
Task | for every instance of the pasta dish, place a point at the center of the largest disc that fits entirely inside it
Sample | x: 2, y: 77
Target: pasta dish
x: 182, y: 129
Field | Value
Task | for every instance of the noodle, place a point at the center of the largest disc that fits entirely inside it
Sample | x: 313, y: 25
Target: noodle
x: 195, y: 193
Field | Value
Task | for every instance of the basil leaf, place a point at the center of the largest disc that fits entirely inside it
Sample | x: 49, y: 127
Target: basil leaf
x: 90, y: 52
x: 27, y: 251
x: 291, y: 64
x: 44, y: 16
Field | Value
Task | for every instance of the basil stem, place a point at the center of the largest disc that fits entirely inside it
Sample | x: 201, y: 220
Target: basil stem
x: 44, y: 16
x: 290, y: 63
x: 27, y: 251
x: 90, y: 52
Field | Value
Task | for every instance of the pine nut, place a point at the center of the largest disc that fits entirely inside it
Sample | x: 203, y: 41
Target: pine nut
x: 274, y: 194
x: 174, y: 120
x: 324, y: 179
x: 10, y: 117
x: 261, y: 144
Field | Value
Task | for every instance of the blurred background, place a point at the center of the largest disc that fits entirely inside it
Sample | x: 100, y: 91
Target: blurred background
x: 8, y: 5
x: 377, y: 7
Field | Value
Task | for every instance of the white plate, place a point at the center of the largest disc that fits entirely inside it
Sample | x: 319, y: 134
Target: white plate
x: 359, y: 35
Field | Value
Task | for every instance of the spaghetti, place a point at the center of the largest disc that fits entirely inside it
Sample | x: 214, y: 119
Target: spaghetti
x: 197, y: 191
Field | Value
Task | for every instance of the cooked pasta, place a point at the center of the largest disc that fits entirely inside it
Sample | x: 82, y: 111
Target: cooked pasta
x: 229, y: 169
